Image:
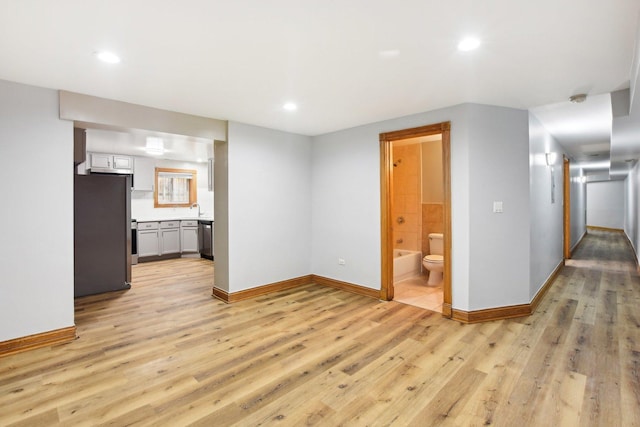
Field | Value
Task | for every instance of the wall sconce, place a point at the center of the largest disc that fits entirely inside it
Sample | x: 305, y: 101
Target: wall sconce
x: 550, y: 158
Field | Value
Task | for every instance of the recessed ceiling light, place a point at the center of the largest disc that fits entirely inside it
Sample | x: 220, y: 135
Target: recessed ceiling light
x: 388, y: 54
x: 108, y: 57
x: 290, y: 106
x: 468, y: 43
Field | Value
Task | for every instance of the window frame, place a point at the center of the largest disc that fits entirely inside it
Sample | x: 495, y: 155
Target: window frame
x: 193, y: 186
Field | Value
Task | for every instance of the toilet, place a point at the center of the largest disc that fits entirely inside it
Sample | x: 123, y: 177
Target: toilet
x: 434, y: 262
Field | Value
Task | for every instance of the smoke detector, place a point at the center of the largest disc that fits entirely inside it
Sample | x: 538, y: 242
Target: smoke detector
x: 577, y: 99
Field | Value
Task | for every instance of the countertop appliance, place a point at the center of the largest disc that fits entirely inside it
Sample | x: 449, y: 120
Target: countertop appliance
x: 205, y: 238
x: 102, y: 233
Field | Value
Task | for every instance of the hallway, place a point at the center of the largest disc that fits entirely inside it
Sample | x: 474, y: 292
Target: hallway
x: 166, y: 353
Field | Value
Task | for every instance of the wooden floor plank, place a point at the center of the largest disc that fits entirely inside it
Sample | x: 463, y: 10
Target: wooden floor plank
x: 166, y: 353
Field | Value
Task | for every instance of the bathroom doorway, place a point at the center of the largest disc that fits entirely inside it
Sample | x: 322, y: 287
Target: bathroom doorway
x: 411, y: 210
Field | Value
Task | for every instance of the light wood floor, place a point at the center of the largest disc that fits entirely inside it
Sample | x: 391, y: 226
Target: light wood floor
x: 166, y: 354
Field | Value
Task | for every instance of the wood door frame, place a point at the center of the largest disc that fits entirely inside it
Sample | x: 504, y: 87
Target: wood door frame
x: 566, y: 207
x: 386, y: 208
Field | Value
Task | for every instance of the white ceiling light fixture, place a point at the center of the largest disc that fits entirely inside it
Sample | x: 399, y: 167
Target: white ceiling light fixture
x: 108, y: 57
x: 290, y: 106
x: 154, y: 145
x: 468, y: 43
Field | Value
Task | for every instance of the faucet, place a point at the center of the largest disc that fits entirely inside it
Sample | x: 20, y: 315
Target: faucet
x: 193, y: 206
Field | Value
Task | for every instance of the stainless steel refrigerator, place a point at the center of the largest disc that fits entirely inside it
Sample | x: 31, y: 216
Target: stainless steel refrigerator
x: 102, y: 233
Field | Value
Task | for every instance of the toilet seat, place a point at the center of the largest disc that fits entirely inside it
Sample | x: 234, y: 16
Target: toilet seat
x: 433, y: 258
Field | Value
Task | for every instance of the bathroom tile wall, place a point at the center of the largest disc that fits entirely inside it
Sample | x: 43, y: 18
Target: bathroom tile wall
x: 432, y: 222
x: 406, y: 197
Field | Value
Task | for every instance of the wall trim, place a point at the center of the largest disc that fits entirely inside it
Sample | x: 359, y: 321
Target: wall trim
x: 227, y: 297
x: 545, y: 288
x: 32, y: 342
x: 346, y: 286
x: 595, y: 227
x: 489, y: 314
x: 510, y: 311
x: 261, y: 290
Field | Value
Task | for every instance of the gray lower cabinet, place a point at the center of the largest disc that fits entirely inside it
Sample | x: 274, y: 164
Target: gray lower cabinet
x: 169, y: 237
x: 158, y: 238
x: 148, y: 239
x: 189, y: 236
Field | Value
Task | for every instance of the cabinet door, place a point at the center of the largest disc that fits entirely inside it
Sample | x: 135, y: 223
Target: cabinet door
x: 189, y: 239
x: 170, y: 241
x: 122, y: 162
x: 148, y: 243
x: 98, y: 160
x: 143, y: 174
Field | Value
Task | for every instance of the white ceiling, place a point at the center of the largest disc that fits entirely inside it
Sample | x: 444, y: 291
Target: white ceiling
x: 344, y: 63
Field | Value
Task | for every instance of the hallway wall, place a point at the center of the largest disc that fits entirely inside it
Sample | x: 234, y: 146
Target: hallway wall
x: 605, y: 204
x: 546, y: 226
x: 631, y: 217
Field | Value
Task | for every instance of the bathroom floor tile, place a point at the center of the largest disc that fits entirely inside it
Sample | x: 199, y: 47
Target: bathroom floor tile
x: 416, y: 292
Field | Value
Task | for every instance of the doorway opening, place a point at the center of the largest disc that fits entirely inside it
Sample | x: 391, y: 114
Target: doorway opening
x: 404, y: 230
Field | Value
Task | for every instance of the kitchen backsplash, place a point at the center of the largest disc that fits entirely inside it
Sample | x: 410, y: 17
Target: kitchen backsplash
x: 142, y: 201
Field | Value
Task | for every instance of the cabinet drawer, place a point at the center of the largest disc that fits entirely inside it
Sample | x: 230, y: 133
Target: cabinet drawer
x: 147, y: 226
x: 170, y: 224
x: 189, y: 223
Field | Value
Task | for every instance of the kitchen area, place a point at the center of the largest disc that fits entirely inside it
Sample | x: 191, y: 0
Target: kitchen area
x: 167, y: 208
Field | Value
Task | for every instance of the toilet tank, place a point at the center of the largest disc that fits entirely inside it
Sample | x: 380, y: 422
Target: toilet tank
x: 436, y: 244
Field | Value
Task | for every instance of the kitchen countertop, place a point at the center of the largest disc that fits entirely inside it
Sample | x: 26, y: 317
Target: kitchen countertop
x: 203, y: 218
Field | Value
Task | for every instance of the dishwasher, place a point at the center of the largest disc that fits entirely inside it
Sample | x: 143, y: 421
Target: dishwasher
x: 205, y: 238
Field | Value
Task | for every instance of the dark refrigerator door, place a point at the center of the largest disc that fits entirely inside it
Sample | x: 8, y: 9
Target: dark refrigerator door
x: 102, y: 233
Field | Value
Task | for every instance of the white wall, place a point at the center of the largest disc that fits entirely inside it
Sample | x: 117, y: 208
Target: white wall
x: 269, y: 198
x: 578, y: 199
x: 631, y: 218
x: 546, y: 217
x: 489, y: 146
x: 499, y: 242
x: 36, y: 182
x: 605, y: 204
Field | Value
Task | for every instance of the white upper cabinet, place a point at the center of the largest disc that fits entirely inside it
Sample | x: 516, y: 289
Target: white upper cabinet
x: 143, y: 174
x: 104, y: 162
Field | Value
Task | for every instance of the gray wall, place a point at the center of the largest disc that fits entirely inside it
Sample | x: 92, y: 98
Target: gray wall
x: 489, y: 155
x: 632, y: 192
x: 605, y: 204
x: 36, y: 183
x: 499, y: 242
x: 269, y: 196
x: 546, y: 216
x: 578, y: 198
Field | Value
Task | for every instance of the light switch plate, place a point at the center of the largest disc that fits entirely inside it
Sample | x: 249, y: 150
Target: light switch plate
x: 497, y: 207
